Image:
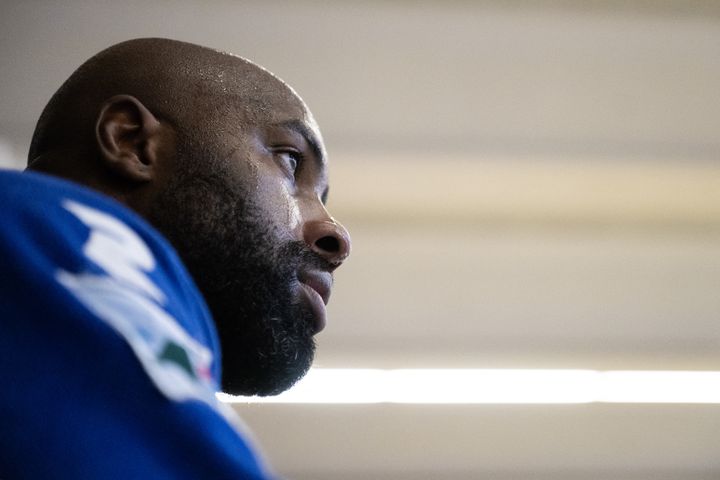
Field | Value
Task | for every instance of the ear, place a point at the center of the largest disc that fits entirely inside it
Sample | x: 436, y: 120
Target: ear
x: 128, y: 137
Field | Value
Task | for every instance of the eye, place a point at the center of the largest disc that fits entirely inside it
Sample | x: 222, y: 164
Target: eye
x: 289, y: 161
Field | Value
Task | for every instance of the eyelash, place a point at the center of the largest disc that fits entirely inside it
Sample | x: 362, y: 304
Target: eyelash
x: 296, y: 156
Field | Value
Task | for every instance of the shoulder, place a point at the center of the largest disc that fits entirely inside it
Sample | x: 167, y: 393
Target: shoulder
x: 79, y: 246
x: 99, y: 312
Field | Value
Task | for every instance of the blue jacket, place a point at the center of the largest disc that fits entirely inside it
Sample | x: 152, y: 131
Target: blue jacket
x: 109, y: 358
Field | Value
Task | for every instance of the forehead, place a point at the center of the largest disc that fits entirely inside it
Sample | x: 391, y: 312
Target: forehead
x: 244, y: 97
x: 266, y: 102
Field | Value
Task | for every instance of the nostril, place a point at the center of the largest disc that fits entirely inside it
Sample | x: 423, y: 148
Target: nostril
x: 328, y: 239
x: 328, y: 244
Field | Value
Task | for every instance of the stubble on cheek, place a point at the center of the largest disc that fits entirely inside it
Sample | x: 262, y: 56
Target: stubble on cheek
x: 293, y: 216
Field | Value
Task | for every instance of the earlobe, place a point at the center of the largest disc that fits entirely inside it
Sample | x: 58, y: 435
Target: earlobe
x: 128, y: 136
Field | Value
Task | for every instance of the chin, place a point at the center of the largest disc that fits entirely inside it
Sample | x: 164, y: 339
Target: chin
x: 267, y: 360
x: 272, y: 380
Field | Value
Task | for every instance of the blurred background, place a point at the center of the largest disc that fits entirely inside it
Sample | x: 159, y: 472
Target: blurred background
x: 528, y: 184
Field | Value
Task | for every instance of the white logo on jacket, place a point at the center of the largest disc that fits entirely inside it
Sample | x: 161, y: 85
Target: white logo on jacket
x: 129, y: 301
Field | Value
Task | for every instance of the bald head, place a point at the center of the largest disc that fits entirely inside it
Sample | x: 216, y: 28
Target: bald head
x: 188, y: 86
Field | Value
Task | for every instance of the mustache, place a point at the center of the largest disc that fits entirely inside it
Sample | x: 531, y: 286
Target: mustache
x: 303, y: 256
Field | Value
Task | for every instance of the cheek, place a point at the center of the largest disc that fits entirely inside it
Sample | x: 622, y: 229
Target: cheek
x: 280, y: 207
x: 272, y: 193
x: 292, y: 212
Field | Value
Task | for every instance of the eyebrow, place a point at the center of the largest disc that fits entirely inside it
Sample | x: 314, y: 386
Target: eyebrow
x: 308, y: 135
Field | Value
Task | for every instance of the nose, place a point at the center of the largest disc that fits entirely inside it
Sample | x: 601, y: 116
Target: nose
x: 329, y: 239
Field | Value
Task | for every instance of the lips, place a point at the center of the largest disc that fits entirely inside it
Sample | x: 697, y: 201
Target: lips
x: 321, y: 282
x: 316, y: 286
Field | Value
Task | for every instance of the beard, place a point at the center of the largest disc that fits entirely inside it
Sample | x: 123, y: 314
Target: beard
x: 247, y: 275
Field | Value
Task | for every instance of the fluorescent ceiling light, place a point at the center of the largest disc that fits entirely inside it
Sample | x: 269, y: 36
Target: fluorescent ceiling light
x: 502, y: 386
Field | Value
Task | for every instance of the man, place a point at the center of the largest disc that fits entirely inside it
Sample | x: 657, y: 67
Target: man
x: 110, y: 359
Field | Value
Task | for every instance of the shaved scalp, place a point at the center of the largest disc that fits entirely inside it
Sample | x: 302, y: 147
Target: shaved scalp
x: 178, y: 133
x: 188, y: 86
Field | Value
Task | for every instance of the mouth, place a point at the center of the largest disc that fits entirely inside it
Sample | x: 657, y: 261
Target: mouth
x: 315, y: 287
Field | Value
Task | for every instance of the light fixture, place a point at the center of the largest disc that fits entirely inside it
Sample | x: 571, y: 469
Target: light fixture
x: 496, y: 386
